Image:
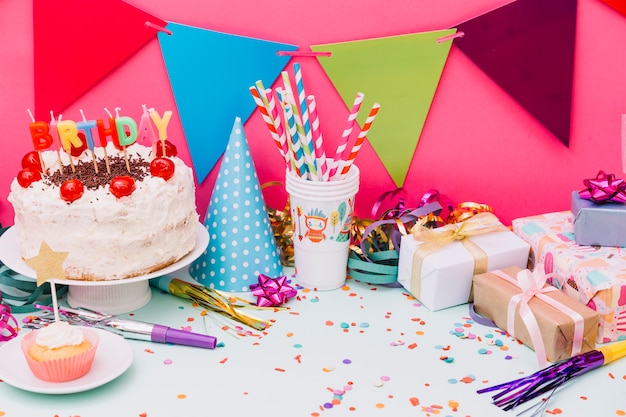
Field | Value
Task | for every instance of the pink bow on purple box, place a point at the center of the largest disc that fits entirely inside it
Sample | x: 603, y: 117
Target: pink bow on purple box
x: 272, y: 291
x: 604, y: 188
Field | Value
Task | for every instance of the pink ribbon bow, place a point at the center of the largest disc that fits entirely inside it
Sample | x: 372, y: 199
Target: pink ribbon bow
x: 8, y: 323
x: 533, y: 284
x: 604, y: 188
x: 272, y: 291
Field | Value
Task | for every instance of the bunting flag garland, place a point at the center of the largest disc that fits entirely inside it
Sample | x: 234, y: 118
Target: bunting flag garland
x: 527, y: 48
x: 399, y: 72
x: 210, y: 73
x: 77, y: 43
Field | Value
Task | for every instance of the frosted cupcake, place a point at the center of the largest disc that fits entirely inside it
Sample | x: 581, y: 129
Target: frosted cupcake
x: 60, y: 352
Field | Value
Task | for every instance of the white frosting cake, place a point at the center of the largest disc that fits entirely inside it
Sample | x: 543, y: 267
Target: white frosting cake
x: 107, y: 237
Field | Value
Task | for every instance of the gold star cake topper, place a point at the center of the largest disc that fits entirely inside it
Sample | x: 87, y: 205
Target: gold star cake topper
x: 47, y: 263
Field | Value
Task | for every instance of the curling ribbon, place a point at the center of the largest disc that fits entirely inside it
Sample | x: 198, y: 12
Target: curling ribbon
x: 375, y: 259
x: 436, y: 239
x: 282, y: 228
x: 8, y: 323
x: 466, y: 210
x: 604, y: 188
x: 533, y: 284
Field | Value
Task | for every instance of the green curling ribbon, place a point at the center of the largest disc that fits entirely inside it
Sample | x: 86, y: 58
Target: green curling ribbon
x: 383, y: 268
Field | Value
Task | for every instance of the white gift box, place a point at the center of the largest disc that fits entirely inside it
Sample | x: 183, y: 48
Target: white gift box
x: 446, y: 275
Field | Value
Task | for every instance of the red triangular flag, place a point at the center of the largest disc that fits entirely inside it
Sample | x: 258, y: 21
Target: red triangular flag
x: 77, y: 43
x: 527, y: 47
x: 619, y: 5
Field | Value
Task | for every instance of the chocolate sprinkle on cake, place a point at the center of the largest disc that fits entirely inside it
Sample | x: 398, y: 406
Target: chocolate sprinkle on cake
x: 86, y: 173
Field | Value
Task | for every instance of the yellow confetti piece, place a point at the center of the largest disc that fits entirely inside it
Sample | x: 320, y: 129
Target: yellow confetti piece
x: 380, y: 405
x: 181, y: 396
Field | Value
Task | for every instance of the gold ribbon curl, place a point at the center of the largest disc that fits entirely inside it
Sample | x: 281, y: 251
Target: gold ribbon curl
x: 282, y: 228
x: 436, y: 239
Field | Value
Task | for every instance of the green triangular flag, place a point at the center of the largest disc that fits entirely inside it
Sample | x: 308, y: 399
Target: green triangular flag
x: 399, y: 72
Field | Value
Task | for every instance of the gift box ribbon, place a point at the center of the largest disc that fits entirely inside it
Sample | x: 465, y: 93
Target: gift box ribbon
x: 604, y: 188
x: 533, y: 284
x: 436, y: 239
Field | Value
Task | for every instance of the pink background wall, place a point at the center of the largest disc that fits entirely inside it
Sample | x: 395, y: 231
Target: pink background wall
x: 477, y: 144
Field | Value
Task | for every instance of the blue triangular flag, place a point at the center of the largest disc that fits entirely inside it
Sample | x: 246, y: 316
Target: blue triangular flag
x: 210, y: 73
x: 241, y: 240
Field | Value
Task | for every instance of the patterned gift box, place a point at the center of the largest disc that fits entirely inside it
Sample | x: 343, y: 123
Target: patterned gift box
x: 594, y: 275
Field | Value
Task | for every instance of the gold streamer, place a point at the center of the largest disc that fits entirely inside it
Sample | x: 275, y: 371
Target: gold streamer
x: 436, y: 239
x: 282, y: 228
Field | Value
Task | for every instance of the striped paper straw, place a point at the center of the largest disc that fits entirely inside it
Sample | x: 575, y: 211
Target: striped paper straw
x: 269, y: 121
x: 297, y: 154
x: 307, y: 145
x: 301, y: 135
x: 359, y: 140
x: 318, y: 140
x: 345, y: 137
x: 282, y: 135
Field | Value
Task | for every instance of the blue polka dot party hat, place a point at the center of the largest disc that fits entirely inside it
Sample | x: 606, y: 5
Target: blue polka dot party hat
x: 241, y: 241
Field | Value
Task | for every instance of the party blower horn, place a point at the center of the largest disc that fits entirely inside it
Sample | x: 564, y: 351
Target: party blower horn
x: 519, y: 391
x: 211, y: 299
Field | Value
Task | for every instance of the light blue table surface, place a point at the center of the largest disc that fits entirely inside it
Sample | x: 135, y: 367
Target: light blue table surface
x: 373, y: 350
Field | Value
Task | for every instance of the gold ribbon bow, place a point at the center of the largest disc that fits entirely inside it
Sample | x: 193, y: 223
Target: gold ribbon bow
x: 436, y: 239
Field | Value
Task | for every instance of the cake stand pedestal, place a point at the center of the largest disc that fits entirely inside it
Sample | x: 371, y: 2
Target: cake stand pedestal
x: 110, y: 297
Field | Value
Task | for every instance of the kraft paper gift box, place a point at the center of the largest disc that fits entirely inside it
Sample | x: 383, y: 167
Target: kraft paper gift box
x: 598, y: 224
x: 443, y: 278
x: 555, y: 331
x: 592, y: 275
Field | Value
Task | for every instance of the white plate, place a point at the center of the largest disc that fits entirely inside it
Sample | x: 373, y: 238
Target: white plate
x: 113, y: 357
x: 11, y: 256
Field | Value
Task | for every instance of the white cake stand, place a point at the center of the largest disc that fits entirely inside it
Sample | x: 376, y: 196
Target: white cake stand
x: 113, y: 296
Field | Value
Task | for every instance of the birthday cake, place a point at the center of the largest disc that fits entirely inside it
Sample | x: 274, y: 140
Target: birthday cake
x: 119, y: 211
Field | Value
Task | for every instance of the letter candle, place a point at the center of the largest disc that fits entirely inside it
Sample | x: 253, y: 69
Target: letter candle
x: 56, y: 142
x: 161, y: 124
x: 146, y: 130
x: 68, y: 134
x: 86, y: 127
x: 123, y: 138
x: 103, y: 132
x: 41, y: 138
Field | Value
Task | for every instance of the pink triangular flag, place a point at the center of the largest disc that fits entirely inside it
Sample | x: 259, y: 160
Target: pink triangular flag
x: 77, y: 43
